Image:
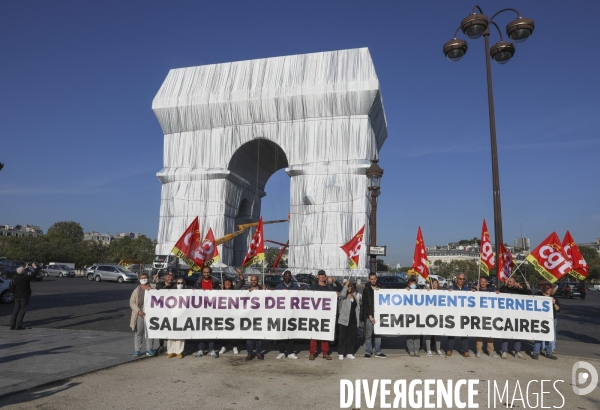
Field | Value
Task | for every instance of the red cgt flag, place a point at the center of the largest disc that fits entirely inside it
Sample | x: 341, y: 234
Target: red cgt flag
x: 505, y: 264
x: 209, y: 253
x: 580, y: 267
x: 186, y: 247
x: 256, y: 250
x: 352, y: 248
x: 420, y: 263
x: 487, y: 259
x: 549, y: 259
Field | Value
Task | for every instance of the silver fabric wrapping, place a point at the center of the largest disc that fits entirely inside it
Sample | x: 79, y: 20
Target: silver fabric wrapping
x: 228, y: 127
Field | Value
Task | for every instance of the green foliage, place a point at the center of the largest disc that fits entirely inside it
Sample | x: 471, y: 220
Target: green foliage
x: 383, y: 267
x: 473, y: 241
x: 592, y: 258
x: 64, y: 243
x: 271, y: 255
x: 452, y: 268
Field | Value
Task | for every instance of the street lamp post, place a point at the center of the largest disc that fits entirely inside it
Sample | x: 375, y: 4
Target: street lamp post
x: 374, y: 173
x: 474, y: 26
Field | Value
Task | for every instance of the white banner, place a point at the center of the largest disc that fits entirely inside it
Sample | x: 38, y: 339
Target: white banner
x: 459, y: 313
x: 240, y: 314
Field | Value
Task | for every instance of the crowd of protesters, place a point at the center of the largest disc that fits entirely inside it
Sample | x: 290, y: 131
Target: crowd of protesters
x: 355, y: 315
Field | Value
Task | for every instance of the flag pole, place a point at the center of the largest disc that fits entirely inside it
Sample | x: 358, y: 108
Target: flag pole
x: 516, y: 269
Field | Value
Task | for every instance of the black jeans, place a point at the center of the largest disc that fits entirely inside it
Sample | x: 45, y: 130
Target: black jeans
x: 464, y: 342
x: 347, y: 338
x: 19, y: 312
x: 288, y: 345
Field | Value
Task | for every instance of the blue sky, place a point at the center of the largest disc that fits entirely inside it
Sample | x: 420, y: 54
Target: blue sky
x: 80, y: 141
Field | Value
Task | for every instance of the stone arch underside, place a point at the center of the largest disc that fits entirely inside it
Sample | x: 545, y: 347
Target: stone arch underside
x: 320, y: 116
x: 255, y: 162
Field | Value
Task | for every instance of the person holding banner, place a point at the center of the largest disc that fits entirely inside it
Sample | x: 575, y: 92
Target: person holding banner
x: 137, y: 323
x: 413, y: 342
x: 368, y: 309
x: 250, y: 344
x: 460, y: 286
x: 287, y: 346
x: 320, y: 285
x: 483, y: 287
x: 175, y: 346
x: 514, y: 287
x: 349, y: 319
x: 547, y: 291
x: 206, y: 282
x: 435, y: 285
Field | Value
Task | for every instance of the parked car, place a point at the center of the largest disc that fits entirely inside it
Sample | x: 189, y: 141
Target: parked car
x: 114, y: 273
x: 421, y: 282
x: 6, y: 296
x: 306, y: 278
x: 392, y: 282
x: 595, y: 287
x: 89, y: 272
x: 8, y: 269
x: 570, y: 290
x: 193, y: 278
x: 273, y: 280
x: 60, y: 270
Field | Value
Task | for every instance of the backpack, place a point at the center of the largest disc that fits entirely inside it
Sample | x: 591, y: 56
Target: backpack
x: 11, y: 286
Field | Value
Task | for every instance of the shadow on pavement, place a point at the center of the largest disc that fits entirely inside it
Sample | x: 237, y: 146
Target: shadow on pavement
x: 7, y: 359
x: 11, y: 345
x: 38, y: 394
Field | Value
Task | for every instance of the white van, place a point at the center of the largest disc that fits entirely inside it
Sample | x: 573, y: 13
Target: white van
x: 443, y: 282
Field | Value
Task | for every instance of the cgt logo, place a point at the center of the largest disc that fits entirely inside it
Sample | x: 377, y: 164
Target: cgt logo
x: 555, y: 259
x: 580, y: 378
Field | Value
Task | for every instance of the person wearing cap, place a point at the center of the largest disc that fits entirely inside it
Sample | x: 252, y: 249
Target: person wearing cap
x: 22, y: 291
x: 368, y: 310
x: 323, y: 286
x: 549, y: 346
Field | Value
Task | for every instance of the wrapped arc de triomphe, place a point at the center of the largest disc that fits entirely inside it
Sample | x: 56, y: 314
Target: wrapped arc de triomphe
x: 228, y: 127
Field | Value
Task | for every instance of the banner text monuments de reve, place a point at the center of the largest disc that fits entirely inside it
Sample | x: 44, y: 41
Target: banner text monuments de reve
x: 485, y: 314
x: 222, y: 314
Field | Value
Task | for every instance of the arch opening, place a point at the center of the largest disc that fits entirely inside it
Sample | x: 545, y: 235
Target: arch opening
x: 257, y: 160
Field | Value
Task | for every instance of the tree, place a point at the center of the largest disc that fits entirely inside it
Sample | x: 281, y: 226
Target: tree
x: 271, y: 255
x: 592, y: 258
x: 65, y: 233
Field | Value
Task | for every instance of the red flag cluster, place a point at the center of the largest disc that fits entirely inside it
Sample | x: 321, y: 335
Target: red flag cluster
x: 551, y: 259
x: 194, y: 253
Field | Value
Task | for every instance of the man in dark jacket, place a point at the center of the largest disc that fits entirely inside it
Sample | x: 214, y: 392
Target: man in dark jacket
x: 460, y: 286
x: 288, y: 345
x: 320, y: 285
x: 515, y: 288
x: 22, y: 293
x: 368, y: 312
